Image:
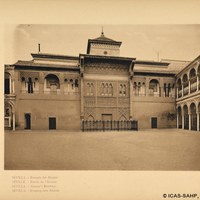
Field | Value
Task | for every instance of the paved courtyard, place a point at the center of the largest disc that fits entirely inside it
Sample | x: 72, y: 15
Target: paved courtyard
x: 169, y: 149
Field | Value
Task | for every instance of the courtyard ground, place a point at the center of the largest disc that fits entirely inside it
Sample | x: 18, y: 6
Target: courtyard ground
x: 167, y: 149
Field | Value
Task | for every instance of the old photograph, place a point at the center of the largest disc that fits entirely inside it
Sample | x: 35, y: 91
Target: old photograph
x: 102, y: 97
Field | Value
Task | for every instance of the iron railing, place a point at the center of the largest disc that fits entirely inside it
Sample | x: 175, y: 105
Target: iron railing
x: 99, y: 125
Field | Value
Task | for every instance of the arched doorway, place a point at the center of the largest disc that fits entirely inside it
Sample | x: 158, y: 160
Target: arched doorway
x: 193, y: 119
x: 186, y: 117
x: 179, y: 114
x: 27, y: 121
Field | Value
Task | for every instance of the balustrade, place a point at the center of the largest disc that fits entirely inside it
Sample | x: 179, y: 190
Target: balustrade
x: 98, y: 125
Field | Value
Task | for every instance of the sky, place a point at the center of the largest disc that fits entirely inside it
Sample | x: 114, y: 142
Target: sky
x: 143, y: 42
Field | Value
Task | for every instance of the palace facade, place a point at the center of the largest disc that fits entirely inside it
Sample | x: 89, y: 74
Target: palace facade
x: 60, y: 92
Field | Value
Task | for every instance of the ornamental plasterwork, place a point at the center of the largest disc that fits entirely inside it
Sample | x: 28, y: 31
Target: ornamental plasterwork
x: 123, y: 112
x: 105, y: 101
x: 89, y: 112
x: 27, y: 74
x: 107, y: 68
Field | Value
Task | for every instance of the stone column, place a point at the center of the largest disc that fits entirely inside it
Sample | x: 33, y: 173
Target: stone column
x: 177, y: 91
x: 13, y: 86
x: 13, y: 121
x: 189, y: 121
x: 182, y: 90
x: 183, y: 123
x: 177, y: 118
x: 189, y: 85
x: 198, y: 121
x: 197, y: 83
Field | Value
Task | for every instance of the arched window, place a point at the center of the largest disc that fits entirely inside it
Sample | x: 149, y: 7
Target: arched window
x: 135, y: 90
x: 106, y: 89
x: 7, y: 83
x: 71, y: 85
x: 179, y: 86
x: 110, y: 90
x: 52, y: 83
x: 168, y: 90
x: 193, y: 80
x: 30, y: 85
x: 90, y: 89
x: 185, y: 84
x: 76, y: 85
x: 7, y: 115
x: 154, y: 87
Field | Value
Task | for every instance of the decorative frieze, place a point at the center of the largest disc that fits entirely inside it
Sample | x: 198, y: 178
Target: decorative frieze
x: 106, y: 68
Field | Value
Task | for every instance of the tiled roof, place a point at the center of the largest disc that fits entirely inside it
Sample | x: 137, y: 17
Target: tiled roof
x: 33, y: 64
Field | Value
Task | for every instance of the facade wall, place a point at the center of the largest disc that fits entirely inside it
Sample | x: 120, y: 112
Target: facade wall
x: 104, y: 49
x: 106, y: 94
x: 144, y: 109
x: 153, y: 97
x: 66, y: 112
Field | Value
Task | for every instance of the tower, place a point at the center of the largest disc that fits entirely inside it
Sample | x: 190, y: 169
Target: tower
x: 103, y: 46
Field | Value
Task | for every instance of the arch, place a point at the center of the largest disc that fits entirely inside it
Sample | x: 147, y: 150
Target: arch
x: 90, y: 118
x: 30, y: 85
x: 186, y: 117
x: 192, y: 73
x: 179, y: 114
x: 52, y: 83
x: 110, y: 89
x: 154, y: 87
x: 193, y: 80
x: 185, y: 78
x: 9, y: 114
x: 7, y: 83
x: 122, y: 118
x: 193, y: 120
x: 185, y: 84
x: 198, y: 70
x: 179, y: 86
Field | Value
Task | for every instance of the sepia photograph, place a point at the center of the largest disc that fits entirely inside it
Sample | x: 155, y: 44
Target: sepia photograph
x: 102, y: 97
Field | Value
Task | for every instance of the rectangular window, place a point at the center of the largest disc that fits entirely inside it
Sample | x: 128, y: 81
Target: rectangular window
x: 52, y: 123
